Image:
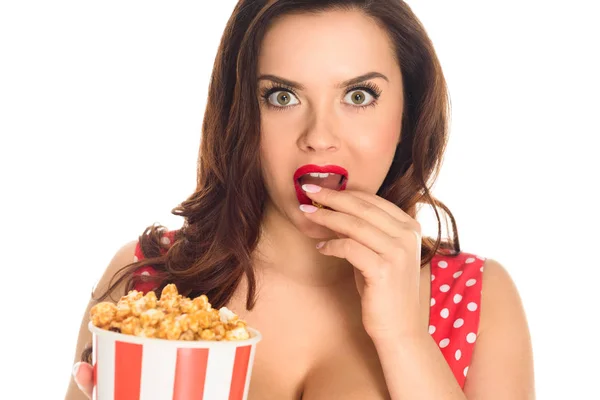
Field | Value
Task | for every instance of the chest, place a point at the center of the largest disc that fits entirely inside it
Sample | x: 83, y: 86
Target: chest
x: 314, y: 347
x: 345, y: 366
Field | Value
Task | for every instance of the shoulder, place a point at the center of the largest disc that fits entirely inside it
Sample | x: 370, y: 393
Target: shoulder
x: 500, y: 300
x: 133, y: 252
x: 155, y: 244
x: 471, y: 271
x: 152, y: 246
x: 479, y: 275
x: 457, y: 272
x: 496, y: 277
x: 503, y: 360
x: 122, y: 257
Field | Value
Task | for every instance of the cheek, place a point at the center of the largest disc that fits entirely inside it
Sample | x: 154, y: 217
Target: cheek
x: 373, y: 149
x: 272, y: 157
x: 266, y: 162
x: 275, y: 132
x: 378, y: 140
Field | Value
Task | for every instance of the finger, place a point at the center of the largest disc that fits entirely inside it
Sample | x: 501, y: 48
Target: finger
x: 83, y: 374
x: 353, y: 227
x: 350, y: 203
x: 360, y: 256
x: 384, y: 204
x: 406, y: 220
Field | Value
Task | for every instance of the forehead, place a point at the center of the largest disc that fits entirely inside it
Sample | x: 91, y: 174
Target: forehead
x: 327, y: 45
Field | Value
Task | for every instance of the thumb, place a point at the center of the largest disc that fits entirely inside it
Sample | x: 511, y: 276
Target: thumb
x: 83, y: 374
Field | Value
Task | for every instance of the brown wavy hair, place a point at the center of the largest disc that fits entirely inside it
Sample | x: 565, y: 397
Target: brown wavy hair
x: 222, y: 218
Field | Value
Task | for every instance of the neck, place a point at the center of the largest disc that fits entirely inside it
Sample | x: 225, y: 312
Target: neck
x: 284, y: 252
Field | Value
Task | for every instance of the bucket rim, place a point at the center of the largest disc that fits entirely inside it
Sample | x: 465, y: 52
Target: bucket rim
x: 255, y: 337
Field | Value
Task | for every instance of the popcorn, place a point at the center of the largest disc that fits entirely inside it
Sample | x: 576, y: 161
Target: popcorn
x: 318, y: 205
x: 226, y: 315
x: 173, y: 317
x: 102, y: 314
x: 238, y: 333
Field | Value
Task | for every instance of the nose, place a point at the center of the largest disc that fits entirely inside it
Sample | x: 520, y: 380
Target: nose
x: 321, y: 133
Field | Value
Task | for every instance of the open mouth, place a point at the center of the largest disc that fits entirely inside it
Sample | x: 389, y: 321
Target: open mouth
x: 329, y: 176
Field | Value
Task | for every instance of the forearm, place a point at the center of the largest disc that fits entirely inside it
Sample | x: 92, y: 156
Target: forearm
x: 416, y: 369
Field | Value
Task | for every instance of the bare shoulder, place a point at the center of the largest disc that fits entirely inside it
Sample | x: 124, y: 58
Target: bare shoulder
x: 502, y: 364
x: 123, y: 257
x: 499, y: 296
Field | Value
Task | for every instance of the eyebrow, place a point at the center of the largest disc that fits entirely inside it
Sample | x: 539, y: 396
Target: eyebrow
x: 349, y: 82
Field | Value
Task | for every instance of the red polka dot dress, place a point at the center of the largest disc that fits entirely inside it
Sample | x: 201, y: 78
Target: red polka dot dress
x: 148, y: 270
x: 455, y: 308
x: 455, y: 301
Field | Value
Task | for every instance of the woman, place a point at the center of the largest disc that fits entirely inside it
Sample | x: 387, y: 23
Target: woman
x: 325, y: 127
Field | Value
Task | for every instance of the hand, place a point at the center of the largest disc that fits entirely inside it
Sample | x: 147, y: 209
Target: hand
x: 383, y: 243
x: 83, y: 374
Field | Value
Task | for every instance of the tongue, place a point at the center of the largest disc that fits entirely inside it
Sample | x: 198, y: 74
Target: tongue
x: 331, y: 182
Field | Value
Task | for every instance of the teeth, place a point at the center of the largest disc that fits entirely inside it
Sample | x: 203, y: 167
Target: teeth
x: 320, y: 175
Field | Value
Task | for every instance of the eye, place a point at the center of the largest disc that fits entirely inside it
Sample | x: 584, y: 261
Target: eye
x: 282, y: 98
x: 363, y: 95
x: 360, y: 97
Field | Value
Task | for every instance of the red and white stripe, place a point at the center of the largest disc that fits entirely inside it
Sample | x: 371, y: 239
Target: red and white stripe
x: 160, y: 370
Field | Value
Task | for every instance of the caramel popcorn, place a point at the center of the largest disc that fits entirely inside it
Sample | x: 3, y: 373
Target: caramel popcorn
x: 173, y: 317
x: 319, y: 205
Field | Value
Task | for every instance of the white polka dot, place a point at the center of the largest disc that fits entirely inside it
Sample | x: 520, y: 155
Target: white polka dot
x: 444, y: 343
x: 469, y: 260
x: 444, y: 313
x: 444, y: 288
x: 432, y: 277
x: 459, y: 322
x: 481, y: 269
x: 135, y: 259
x: 471, y: 337
x: 165, y: 240
x: 145, y: 273
x: 443, y: 264
x: 457, y: 274
x: 472, y: 306
x: 471, y: 282
x: 458, y: 354
x: 431, y: 329
x: 457, y: 298
x: 465, y: 371
x: 432, y: 302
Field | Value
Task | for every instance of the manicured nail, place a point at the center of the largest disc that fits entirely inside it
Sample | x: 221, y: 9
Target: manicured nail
x: 76, y: 369
x: 320, y: 244
x: 307, y: 208
x: 310, y: 188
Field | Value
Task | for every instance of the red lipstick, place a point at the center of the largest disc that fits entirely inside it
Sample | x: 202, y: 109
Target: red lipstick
x: 306, y: 169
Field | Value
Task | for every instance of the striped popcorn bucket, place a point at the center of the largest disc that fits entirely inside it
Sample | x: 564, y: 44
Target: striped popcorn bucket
x: 128, y: 367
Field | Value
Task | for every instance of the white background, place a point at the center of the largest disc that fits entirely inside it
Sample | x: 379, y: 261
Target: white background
x: 101, y: 105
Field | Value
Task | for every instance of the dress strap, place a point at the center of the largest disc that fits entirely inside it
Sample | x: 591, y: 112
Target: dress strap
x: 455, y: 308
x: 148, y: 270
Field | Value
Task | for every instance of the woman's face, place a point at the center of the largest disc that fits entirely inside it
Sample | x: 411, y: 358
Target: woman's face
x: 317, y: 110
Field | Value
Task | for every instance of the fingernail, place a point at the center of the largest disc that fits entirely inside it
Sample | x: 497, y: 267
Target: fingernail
x: 320, y: 244
x: 310, y: 188
x: 307, y: 208
x: 76, y: 369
